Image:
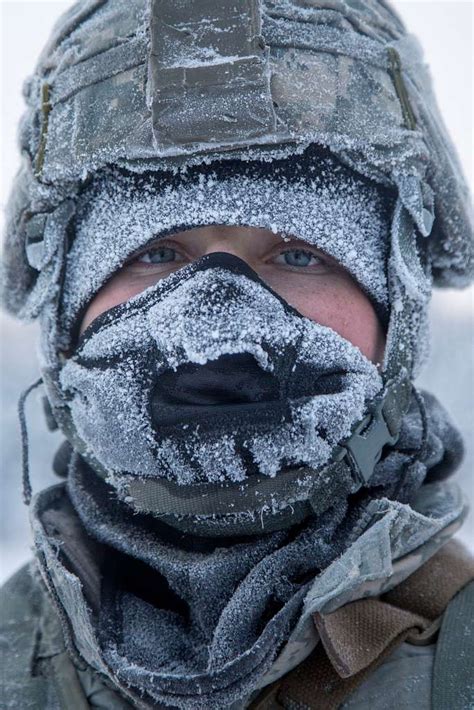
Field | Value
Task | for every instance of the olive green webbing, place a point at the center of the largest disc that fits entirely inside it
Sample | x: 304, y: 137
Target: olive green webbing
x: 263, y: 502
x: 453, y: 675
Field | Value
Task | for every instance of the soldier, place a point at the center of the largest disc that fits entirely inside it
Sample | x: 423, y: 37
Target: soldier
x: 229, y: 219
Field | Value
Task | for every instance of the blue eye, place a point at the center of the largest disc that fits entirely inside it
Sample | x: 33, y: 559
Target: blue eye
x: 162, y: 255
x: 298, y: 258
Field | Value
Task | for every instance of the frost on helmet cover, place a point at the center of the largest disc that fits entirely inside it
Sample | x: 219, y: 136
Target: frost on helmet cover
x: 147, y: 85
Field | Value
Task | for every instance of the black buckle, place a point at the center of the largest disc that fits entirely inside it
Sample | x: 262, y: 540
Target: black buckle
x: 364, y: 447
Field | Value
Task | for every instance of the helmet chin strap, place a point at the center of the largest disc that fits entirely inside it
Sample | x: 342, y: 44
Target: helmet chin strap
x: 304, y: 490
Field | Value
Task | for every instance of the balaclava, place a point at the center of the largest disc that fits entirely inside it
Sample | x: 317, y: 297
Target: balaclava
x: 207, y: 405
x: 223, y: 381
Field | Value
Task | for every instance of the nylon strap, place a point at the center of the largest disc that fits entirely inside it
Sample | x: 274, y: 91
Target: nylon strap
x: 453, y: 675
x: 409, y: 291
x: 361, y: 452
x: 207, y: 66
x: 255, y: 492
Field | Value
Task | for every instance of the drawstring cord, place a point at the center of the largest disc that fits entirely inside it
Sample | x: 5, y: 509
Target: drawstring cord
x: 25, y: 463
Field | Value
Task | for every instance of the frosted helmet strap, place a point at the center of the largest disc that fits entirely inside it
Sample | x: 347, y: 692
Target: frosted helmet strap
x: 409, y: 292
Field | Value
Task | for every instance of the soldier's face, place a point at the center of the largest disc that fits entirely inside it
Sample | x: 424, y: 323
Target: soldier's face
x: 312, y: 282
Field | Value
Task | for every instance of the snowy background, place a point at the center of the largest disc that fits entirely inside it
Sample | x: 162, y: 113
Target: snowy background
x: 445, y: 29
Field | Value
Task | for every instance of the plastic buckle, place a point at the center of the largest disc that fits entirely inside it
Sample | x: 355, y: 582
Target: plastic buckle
x: 364, y: 446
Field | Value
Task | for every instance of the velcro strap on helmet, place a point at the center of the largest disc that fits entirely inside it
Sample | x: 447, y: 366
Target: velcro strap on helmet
x: 195, y: 100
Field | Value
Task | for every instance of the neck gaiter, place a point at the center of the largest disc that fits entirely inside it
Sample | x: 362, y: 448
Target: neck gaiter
x: 195, y: 623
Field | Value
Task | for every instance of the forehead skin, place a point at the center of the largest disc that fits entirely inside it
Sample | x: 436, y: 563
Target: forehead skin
x: 324, y: 292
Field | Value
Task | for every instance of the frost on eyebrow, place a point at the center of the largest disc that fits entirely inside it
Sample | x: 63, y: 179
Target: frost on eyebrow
x: 330, y: 208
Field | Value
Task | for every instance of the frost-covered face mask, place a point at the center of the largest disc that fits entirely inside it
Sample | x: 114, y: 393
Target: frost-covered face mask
x: 207, y: 399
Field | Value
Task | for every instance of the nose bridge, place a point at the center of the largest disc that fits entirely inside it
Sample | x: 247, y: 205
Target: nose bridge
x: 229, y: 261
x: 218, y: 305
x: 236, y: 265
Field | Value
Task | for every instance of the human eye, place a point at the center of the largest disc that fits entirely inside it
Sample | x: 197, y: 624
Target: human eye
x: 157, y: 258
x: 299, y: 258
x: 158, y: 255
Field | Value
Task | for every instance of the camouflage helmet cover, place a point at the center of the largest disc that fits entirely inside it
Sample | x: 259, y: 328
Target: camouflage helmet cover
x: 153, y: 84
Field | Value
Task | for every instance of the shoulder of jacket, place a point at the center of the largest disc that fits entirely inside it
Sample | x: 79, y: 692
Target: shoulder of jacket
x: 36, y: 669
x: 21, y: 597
x: 403, y: 679
x: 438, y: 675
x: 453, y: 681
x: 23, y: 603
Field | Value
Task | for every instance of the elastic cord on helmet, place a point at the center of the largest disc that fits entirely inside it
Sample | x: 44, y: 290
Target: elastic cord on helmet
x: 25, y: 464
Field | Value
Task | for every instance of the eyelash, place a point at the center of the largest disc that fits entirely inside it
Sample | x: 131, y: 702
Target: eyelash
x: 173, y: 248
x: 151, y: 251
x: 306, y: 252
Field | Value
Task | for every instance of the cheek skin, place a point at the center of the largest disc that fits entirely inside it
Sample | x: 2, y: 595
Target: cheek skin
x: 119, y: 289
x: 352, y: 318
x: 337, y: 302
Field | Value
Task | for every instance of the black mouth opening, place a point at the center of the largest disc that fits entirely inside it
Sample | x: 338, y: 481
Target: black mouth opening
x: 233, y: 388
